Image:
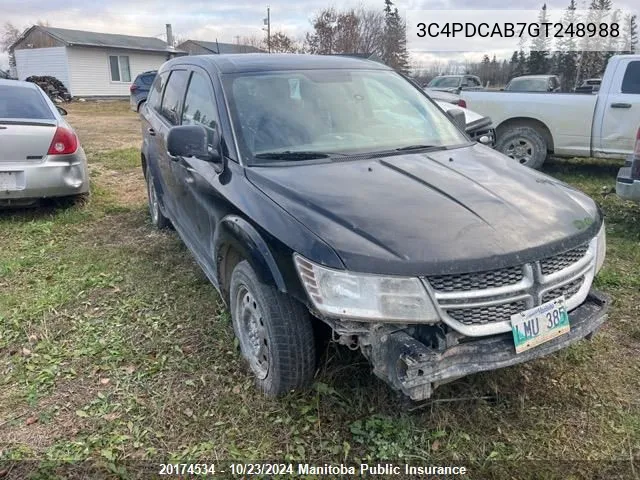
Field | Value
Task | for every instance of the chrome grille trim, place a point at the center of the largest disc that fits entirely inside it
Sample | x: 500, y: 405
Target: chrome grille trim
x: 531, y: 290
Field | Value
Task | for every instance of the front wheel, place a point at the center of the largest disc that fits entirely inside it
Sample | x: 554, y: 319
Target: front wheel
x: 274, y: 331
x: 523, y: 144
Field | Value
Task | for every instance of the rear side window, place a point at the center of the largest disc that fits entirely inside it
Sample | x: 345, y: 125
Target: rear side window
x: 21, y: 102
x: 155, y: 94
x: 631, y: 80
x: 173, y: 94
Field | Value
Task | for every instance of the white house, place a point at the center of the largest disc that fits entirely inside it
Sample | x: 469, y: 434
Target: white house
x: 89, y: 64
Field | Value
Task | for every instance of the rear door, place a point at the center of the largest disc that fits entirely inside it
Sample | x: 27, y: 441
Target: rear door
x: 620, y: 110
x: 166, y: 116
x: 27, y: 124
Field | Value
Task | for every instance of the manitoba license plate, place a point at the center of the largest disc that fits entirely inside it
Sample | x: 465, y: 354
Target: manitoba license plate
x: 540, y: 324
x: 8, y: 181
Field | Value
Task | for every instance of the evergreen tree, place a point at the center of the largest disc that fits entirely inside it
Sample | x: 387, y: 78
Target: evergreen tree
x: 592, y: 62
x: 395, y: 52
x: 566, y: 59
x: 539, y: 56
x: 630, y: 34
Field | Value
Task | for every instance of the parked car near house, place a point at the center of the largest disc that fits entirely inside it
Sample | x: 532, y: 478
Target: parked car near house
x: 534, y: 83
x: 331, y: 189
x: 139, y: 89
x: 455, y: 83
x: 628, y: 179
x: 40, y: 155
x: 529, y: 126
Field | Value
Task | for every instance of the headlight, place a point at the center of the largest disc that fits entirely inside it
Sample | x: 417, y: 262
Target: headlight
x: 601, y: 248
x: 338, y: 293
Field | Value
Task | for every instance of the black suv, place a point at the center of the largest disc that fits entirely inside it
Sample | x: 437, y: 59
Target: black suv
x: 331, y: 189
x: 139, y: 89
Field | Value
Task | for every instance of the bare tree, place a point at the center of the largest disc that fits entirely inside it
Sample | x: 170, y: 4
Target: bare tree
x: 282, y: 43
x: 371, y: 31
x: 8, y: 36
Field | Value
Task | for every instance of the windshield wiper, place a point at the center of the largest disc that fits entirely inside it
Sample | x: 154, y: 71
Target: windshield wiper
x: 418, y: 147
x: 289, y: 155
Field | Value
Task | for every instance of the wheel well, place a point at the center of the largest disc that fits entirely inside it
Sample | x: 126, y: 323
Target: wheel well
x: 540, y: 127
x: 228, y: 257
x: 140, y: 105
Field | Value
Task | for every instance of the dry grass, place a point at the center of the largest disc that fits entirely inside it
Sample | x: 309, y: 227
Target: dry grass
x: 129, y: 355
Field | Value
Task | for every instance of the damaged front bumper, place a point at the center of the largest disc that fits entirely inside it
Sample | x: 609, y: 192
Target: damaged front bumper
x: 415, y: 368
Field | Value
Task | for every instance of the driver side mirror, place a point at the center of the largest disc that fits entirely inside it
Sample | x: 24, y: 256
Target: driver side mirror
x: 195, y: 141
x: 458, y: 118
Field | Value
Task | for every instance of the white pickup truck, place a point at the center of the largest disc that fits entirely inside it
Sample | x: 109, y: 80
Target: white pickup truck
x: 529, y: 126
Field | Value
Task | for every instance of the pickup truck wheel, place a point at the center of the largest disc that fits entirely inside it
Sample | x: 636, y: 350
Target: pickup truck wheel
x: 274, y: 331
x: 524, y: 144
x: 157, y: 218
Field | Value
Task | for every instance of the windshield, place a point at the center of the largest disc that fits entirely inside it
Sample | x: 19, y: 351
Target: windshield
x: 446, y: 82
x: 528, y: 85
x: 333, y: 112
x: 23, y: 102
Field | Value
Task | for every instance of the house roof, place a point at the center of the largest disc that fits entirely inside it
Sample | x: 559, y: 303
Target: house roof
x: 223, y: 48
x: 96, y: 39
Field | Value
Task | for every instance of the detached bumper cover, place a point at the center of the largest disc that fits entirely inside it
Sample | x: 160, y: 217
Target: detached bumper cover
x: 626, y: 187
x: 415, y: 368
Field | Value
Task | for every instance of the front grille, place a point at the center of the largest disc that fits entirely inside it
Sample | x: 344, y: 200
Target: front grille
x: 484, y: 315
x: 477, y: 281
x: 559, y: 262
x: 526, y: 285
x: 568, y: 290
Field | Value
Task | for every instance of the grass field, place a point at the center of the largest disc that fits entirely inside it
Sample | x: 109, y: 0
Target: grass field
x: 115, y: 348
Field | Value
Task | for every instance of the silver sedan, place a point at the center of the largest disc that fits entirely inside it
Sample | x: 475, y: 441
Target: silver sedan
x: 40, y: 154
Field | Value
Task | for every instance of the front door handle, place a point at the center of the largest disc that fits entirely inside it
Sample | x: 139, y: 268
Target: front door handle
x: 620, y: 105
x: 151, y: 132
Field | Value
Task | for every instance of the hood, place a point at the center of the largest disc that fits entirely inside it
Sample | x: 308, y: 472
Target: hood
x: 461, y: 210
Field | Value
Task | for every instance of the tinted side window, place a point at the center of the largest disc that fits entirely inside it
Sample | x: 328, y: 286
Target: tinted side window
x: 631, y: 80
x: 173, y: 94
x: 199, y: 104
x: 155, y: 94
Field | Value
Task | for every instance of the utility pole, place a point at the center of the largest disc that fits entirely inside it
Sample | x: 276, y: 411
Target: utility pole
x: 267, y: 22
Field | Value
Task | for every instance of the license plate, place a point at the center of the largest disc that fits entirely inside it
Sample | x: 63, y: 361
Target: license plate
x: 539, y: 324
x: 8, y: 181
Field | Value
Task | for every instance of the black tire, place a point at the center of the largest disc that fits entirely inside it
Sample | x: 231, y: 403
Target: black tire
x: 274, y: 331
x: 524, y: 144
x: 158, y: 219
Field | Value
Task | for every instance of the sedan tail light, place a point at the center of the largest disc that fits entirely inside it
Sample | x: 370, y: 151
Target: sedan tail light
x: 64, y: 142
x: 462, y: 103
x: 133, y: 87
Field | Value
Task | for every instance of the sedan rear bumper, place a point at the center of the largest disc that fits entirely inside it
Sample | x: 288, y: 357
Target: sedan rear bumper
x: 416, y: 369
x: 55, y: 176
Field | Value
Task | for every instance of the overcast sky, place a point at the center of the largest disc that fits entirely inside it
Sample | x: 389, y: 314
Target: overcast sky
x: 215, y: 19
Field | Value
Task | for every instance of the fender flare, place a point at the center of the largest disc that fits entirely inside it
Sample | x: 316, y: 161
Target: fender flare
x: 236, y: 232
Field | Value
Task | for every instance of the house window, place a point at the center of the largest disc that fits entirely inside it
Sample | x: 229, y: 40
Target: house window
x: 119, y: 65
